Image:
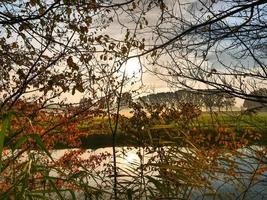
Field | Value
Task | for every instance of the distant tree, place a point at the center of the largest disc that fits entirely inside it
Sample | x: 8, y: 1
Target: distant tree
x: 229, y: 101
x: 187, y: 96
x: 216, y: 99
x: 208, y: 102
x: 257, y: 105
x: 85, y: 102
x: 176, y: 99
x: 159, y: 98
x: 209, y: 99
x: 125, y: 100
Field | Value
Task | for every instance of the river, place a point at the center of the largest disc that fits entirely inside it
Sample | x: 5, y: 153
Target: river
x: 141, y: 172
x: 248, y: 180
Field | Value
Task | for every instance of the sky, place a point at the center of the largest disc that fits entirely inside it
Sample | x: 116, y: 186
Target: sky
x: 132, y: 67
x: 150, y: 82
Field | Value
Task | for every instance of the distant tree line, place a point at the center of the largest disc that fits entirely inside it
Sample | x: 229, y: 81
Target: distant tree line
x: 207, y: 99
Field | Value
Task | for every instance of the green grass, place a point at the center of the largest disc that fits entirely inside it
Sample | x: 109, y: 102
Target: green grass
x: 234, y: 119
x: 100, y: 134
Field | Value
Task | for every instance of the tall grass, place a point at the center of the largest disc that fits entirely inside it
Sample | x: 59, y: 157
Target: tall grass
x: 176, y: 159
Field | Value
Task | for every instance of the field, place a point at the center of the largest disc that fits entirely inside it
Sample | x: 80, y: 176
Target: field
x: 100, y: 134
x: 235, y: 119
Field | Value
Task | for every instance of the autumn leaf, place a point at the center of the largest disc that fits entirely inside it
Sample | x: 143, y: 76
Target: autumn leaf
x: 72, y: 64
x: 142, y: 46
x: 154, y: 53
x: 23, y: 26
x: 124, y: 50
x: 80, y: 88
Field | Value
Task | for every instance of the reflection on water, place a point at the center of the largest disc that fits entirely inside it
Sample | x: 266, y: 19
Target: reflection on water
x: 130, y: 158
x: 246, y: 181
x: 138, y: 170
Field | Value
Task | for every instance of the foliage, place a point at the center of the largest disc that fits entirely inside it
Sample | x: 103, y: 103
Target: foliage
x: 52, y: 49
x: 184, y: 158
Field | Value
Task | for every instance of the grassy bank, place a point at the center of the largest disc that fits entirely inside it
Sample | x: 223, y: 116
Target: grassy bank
x: 207, y: 126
